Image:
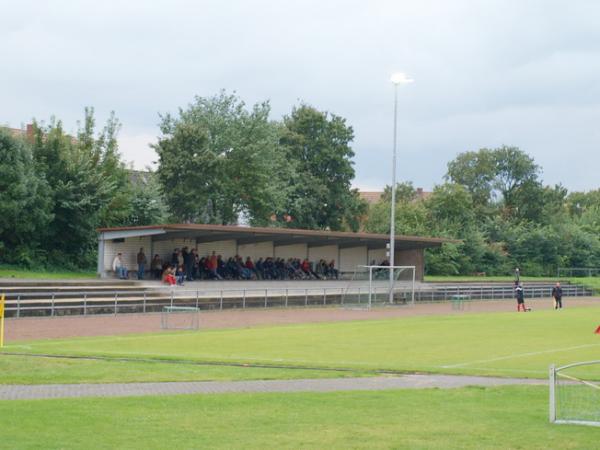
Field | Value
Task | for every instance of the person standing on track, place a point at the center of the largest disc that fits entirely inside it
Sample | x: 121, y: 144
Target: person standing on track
x: 520, y: 298
x: 557, y: 294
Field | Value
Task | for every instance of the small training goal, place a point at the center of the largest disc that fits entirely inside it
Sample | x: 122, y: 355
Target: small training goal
x: 373, y: 286
x: 180, y: 318
x: 575, y: 393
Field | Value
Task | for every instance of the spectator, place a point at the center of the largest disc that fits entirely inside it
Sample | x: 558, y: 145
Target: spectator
x: 180, y: 274
x: 212, y: 266
x: 141, y: 262
x: 332, y: 270
x: 119, y: 267
x: 174, y: 257
x: 250, y: 266
x: 188, y: 263
x: 260, y: 268
x: 156, y: 267
x: 168, y: 277
x: 557, y: 294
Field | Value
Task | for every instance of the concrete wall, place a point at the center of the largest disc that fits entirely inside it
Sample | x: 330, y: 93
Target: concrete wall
x: 415, y: 257
x: 290, y: 251
x: 352, y: 257
x: 255, y: 251
x: 129, y: 249
x: 326, y: 252
x: 226, y: 249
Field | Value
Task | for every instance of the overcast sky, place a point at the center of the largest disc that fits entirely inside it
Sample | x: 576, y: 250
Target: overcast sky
x: 523, y: 73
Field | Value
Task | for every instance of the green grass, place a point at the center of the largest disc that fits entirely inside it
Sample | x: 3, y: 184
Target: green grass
x: 467, y: 418
x: 41, y: 370
x: 501, y: 344
x: 16, y: 272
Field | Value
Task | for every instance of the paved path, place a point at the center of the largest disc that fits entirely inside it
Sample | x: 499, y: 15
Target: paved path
x: 22, y: 392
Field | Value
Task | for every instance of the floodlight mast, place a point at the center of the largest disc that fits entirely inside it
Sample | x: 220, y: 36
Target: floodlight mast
x: 397, y: 78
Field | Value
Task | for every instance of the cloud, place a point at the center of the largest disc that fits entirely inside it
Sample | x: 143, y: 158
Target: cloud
x: 486, y: 73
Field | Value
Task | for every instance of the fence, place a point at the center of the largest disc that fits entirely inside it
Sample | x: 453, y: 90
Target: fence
x: 27, y: 304
x: 564, y: 272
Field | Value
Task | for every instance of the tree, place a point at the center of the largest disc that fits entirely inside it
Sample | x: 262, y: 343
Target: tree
x: 487, y: 173
x: 82, y: 186
x: 24, y: 203
x: 451, y: 207
x: 476, y: 171
x: 218, y: 161
x: 317, y: 149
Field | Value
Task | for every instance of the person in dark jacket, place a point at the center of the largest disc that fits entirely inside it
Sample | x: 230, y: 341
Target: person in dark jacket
x: 520, y: 298
x: 557, y: 294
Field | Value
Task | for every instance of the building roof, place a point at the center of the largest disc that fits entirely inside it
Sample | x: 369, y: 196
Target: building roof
x: 370, y: 196
x: 280, y: 236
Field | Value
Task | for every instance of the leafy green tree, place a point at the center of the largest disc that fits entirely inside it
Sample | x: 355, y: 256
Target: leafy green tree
x: 81, y: 187
x: 317, y: 149
x: 451, y: 207
x: 24, y: 203
x: 148, y: 206
x: 476, y: 171
x: 219, y: 160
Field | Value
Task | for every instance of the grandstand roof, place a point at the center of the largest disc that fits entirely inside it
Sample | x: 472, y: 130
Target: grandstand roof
x: 280, y: 236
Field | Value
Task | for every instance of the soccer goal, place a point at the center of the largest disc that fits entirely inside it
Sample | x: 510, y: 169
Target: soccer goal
x: 575, y: 393
x: 180, y: 318
x: 371, y: 286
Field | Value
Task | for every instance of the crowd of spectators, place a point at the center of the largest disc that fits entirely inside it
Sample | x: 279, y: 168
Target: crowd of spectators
x: 188, y: 265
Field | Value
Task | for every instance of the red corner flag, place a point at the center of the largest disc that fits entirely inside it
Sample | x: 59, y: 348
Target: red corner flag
x: 597, y: 330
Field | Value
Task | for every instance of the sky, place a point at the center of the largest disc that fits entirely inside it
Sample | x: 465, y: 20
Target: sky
x: 486, y: 73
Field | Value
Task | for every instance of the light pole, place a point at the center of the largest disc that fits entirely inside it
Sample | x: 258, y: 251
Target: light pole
x: 396, y: 79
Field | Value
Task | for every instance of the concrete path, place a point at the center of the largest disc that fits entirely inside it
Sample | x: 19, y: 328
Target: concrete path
x: 23, y: 392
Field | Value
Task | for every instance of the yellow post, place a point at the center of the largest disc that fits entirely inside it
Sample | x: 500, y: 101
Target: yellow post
x: 2, y: 321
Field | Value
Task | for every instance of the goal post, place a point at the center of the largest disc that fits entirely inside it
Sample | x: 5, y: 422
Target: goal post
x: 180, y: 318
x: 575, y: 393
x: 370, y: 286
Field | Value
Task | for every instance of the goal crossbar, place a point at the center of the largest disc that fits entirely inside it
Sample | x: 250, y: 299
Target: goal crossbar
x: 374, y: 273
x: 573, y: 399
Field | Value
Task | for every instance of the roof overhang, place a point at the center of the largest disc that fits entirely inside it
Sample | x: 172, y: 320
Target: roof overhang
x: 279, y: 236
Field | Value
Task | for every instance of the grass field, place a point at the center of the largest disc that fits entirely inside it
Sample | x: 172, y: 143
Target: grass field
x: 501, y: 344
x: 468, y: 418
x: 504, y: 344
x: 16, y: 272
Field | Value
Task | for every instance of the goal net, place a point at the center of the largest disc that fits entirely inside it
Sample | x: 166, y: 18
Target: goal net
x: 373, y: 286
x: 575, y: 393
x: 179, y: 318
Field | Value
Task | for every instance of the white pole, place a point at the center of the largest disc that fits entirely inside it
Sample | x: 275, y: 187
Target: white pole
x: 393, y: 206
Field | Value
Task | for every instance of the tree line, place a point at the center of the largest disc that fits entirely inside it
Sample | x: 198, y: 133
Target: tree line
x: 494, y: 204
x: 224, y: 162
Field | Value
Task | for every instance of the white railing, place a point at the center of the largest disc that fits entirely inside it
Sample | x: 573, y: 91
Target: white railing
x: 51, y: 303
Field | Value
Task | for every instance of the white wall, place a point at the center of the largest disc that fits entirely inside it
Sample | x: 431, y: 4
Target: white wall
x: 377, y: 254
x: 326, y: 252
x: 290, y: 251
x: 165, y: 248
x: 255, y: 251
x: 129, y: 249
x: 352, y: 257
x: 226, y: 249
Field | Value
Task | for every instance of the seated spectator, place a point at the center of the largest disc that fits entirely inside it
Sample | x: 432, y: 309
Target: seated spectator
x: 212, y: 267
x: 332, y: 270
x: 180, y: 274
x: 156, y: 267
x: 168, y: 276
x: 221, y: 269
x: 249, y: 264
x: 260, y: 268
x: 119, y: 267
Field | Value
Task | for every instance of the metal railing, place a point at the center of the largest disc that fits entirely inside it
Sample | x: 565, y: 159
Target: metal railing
x: 563, y: 272
x: 86, y: 302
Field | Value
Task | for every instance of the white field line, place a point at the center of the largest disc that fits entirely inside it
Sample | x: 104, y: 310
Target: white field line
x: 518, y: 355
